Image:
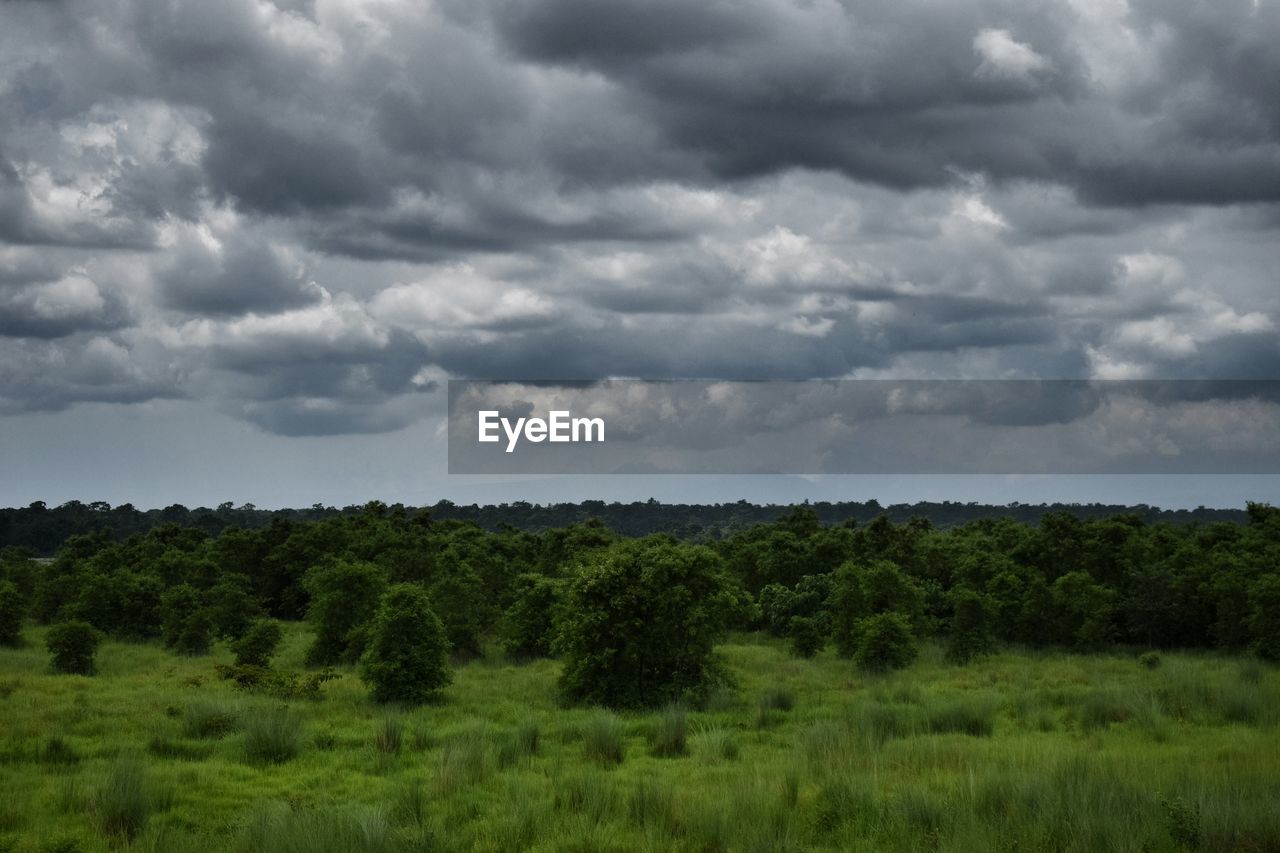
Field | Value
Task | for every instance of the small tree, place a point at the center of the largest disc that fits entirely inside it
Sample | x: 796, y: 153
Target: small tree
x: 12, y: 611
x: 807, y: 636
x: 258, y: 644
x: 528, y: 627
x: 407, y: 656
x: 73, y: 646
x: 344, y: 598
x: 1264, y: 621
x: 970, y: 635
x: 885, y: 643
x: 640, y: 622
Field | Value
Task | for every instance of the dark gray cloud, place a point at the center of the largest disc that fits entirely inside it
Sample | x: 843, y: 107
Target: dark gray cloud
x: 308, y: 214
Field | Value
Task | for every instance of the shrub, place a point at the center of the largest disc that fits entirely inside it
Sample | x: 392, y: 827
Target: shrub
x: 528, y: 626
x: 862, y: 591
x: 885, y: 642
x: 258, y: 644
x: 1149, y: 660
x: 970, y: 635
x: 640, y: 622
x: 603, y: 739
x: 12, y: 611
x: 178, y: 605
x: 272, y: 738
x: 407, y: 659
x: 196, y: 634
x: 807, y: 637
x: 1264, y: 619
x: 344, y: 598
x: 73, y: 646
x: 670, y: 734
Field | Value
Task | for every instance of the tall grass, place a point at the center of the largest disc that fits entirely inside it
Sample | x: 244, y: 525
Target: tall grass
x: 273, y: 737
x: 670, y: 733
x: 126, y: 799
x: 603, y: 740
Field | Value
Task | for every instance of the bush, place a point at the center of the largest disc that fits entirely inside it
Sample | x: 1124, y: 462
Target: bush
x: 407, y: 659
x: 196, y: 634
x: 640, y: 622
x: 1264, y: 618
x: 258, y: 644
x: 807, y: 636
x: 272, y: 738
x: 970, y: 635
x: 885, y: 643
x: 862, y: 591
x: 528, y: 627
x: 603, y: 739
x: 344, y: 598
x: 1149, y: 660
x: 670, y: 735
x: 12, y: 611
x: 73, y: 646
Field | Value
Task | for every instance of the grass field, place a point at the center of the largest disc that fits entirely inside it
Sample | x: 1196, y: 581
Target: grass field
x: 1016, y: 752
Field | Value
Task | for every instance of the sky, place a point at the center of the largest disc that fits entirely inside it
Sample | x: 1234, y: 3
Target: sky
x: 244, y: 244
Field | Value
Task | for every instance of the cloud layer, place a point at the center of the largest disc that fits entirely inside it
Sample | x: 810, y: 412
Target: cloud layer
x: 310, y: 212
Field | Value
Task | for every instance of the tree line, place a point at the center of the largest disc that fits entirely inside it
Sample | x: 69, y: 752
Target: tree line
x: 403, y: 593
x: 44, y: 528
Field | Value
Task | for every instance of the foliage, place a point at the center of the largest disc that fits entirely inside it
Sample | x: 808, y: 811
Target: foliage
x: 258, y: 643
x: 344, y: 597
x: 640, y: 622
x: 272, y: 738
x: 885, y: 642
x: 12, y: 612
x: 807, y: 636
x: 73, y: 646
x: 861, y: 590
x: 407, y: 656
x: 970, y: 635
x: 528, y: 626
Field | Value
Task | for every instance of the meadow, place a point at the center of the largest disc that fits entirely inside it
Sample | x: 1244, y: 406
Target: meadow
x: 1019, y: 750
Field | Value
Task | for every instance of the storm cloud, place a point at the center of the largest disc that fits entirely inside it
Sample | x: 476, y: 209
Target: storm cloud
x: 307, y: 215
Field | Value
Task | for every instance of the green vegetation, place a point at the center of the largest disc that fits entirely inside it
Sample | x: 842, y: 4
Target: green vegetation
x: 384, y: 680
x: 407, y: 660
x: 72, y: 647
x: 1032, y: 750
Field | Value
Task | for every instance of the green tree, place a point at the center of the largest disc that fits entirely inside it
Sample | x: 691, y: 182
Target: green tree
x: 528, y: 626
x: 640, y: 622
x: 258, y: 643
x: 344, y: 598
x: 1264, y: 620
x: 970, y: 634
x: 1084, y: 609
x: 407, y: 657
x: 12, y: 611
x: 73, y: 646
x: 859, y: 591
x: 807, y: 636
x: 885, y: 642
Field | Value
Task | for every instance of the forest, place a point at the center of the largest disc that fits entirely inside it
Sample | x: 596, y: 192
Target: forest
x: 451, y: 667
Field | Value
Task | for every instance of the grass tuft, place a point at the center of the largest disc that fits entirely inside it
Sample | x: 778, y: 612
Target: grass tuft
x: 603, y: 740
x: 272, y: 738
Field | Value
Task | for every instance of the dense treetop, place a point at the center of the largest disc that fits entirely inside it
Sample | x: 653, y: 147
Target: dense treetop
x: 44, y: 528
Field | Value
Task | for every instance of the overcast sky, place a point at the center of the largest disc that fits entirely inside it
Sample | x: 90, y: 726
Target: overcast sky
x: 243, y: 243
